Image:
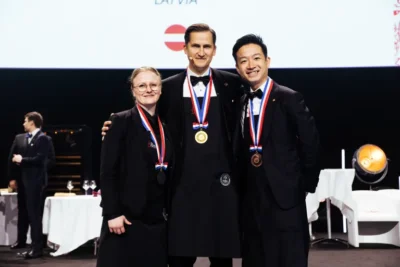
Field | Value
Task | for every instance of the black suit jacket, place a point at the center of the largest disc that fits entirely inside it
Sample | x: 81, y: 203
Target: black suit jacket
x: 126, y: 166
x: 50, y: 161
x: 170, y: 107
x: 290, y: 146
x: 33, y: 168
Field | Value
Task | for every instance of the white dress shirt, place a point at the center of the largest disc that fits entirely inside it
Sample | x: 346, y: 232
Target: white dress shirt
x: 33, y: 133
x: 256, y: 105
x: 199, y: 88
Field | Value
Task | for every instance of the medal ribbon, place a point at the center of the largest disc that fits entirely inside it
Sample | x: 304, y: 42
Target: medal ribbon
x: 256, y: 135
x: 160, y: 150
x: 201, y: 114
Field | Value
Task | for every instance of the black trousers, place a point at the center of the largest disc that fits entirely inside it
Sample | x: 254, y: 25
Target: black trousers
x: 30, y: 213
x: 142, y: 245
x: 189, y: 261
x: 274, y: 237
x: 43, y: 200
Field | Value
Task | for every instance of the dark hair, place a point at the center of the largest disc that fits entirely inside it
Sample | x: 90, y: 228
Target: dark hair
x: 199, y: 27
x: 249, y: 39
x: 36, y: 117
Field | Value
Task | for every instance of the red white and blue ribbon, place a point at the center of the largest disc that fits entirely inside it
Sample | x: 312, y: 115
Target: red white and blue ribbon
x: 160, y: 150
x: 201, y: 114
x: 255, y: 134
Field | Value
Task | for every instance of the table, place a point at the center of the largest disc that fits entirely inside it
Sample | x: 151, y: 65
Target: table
x: 8, y: 218
x: 71, y: 221
x: 335, y: 185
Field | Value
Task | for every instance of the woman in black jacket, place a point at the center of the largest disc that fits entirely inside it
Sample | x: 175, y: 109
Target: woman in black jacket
x: 135, y: 165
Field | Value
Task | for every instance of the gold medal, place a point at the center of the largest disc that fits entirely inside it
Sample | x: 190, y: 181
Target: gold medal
x: 201, y: 137
x: 200, y: 111
x: 256, y: 160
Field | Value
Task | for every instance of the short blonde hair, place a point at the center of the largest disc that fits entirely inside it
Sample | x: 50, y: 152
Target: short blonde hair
x: 136, y: 72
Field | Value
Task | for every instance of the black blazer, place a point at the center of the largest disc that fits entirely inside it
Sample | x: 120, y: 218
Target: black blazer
x: 170, y: 106
x: 126, y: 166
x: 35, y: 156
x: 290, y: 146
x: 51, y: 160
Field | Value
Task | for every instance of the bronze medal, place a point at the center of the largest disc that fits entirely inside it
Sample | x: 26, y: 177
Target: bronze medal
x: 256, y: 130
x: 256, y: 160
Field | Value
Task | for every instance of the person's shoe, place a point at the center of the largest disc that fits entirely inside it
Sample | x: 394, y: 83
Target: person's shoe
x: 17, y: 245
x: 30, y: 254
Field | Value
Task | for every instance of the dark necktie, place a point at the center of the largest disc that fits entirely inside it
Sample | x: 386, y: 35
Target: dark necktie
x: 28, y: 135
x: 195, y: 80
x: 258, y: 93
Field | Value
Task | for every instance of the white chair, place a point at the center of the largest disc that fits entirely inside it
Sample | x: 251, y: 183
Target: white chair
x: 373, y: 217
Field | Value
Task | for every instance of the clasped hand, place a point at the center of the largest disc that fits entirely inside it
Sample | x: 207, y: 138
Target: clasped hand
x: 17, y: 158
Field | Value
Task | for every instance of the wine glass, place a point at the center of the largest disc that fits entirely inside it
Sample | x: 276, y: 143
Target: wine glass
x: 70, y: 186
x: 85, y: 186
x: 93, y: 184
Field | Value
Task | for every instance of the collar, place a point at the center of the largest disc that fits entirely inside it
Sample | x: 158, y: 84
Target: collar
x: 261, y: 87
x: 34, y: 132
x: 191, y: 73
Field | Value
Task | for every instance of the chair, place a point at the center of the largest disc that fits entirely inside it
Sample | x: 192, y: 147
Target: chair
x: 373, y: 217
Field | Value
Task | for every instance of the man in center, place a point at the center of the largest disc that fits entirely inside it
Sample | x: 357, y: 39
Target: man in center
x: 199, y: 106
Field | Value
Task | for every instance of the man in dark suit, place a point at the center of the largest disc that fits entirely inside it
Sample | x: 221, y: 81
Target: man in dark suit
x: 199, y: 107
x: 204, y: 214
x: 278, y: 151
x: 27, y: 168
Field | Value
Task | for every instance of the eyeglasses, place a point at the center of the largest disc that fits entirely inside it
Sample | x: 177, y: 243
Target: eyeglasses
x: 143, y: 87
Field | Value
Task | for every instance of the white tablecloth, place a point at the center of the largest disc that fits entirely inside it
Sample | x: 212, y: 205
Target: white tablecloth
x: 335, y: 184
x: 71, y: 221
x: 8, y: 218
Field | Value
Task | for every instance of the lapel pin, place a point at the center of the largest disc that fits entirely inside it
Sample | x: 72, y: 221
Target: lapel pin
x: 273, y: 100
x: 226, y: 84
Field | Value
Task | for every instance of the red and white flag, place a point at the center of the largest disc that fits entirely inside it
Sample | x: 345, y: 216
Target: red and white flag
x: 174, y: 37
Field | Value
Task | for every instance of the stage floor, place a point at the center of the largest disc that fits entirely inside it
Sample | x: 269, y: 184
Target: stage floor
x: 324, y: 256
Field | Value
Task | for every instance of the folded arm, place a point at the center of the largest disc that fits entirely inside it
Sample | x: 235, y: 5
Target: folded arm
x: 40, y: 158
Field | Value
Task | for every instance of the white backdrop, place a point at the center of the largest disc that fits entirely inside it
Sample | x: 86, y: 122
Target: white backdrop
x: 131, y: 33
